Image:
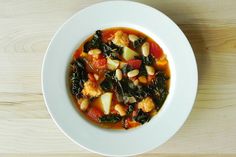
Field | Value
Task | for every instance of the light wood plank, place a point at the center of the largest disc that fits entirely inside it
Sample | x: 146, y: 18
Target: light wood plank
x: 26, y: 128
x: 93, y: 155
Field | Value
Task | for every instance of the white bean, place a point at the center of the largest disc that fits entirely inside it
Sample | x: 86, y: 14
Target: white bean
x: 132, y: 37
x: 150, y: 70
x: 145, y: 49
x: 118, y: 74
x: 84, y: 104
x: 133, y: 73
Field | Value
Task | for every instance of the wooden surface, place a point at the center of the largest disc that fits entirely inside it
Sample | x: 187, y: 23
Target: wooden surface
x: 26, y: 28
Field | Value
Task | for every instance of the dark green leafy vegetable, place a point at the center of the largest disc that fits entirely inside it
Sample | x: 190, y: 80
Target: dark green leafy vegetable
x: 137, y: 43
x: 159, y: 88
x: 112, y: 118
x: 142, y: 117
x: 111, y: 50
x: 95, y: 42
x: 106, y: 85
x: 110, y: 75
x: 126, y: 69
x: 142, y: 70
x: 130, y: 109
x: 78, y: 77
x: 148, y: 60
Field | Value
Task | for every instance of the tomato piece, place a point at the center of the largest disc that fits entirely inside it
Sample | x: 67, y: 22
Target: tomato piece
x: 156, y: 50
x: 107, y: 35
x: 100, y: 63
x: 101, y: 56
x: 91, y: 77
x: 135, y: 63
x: 94, y: 113
x: 77, y: 53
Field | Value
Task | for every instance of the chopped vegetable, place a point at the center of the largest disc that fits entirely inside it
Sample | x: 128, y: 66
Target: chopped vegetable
x: 106, y: 99
x: 111, y: 50
x: 122, y: 64
x: 161, y: 63
x: 106, y: 85
x: 135, y: 63
x: 78, y: 77
x: 112, y: 118
x: 130, y: 108
x: 112, y: 64
x: 126, y: 69
x: 142, y: 79
x: 142, y: 117
x: 83, y: 103
x: 94, y: 113
x: 94, y: 43
x: 100, y: 63
x: 121, y: 39
x: 148, y: 60
x: 156, y: 50
x: 120, y: 109
x: 138, y: 43
x: 146, y: 105
x: 91, y: 89
x: 129, y: 54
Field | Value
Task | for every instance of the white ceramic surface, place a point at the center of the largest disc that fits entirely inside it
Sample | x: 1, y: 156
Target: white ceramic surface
x: 182, y: 93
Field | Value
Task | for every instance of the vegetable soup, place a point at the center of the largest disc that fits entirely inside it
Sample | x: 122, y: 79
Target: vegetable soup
x: 119, y: 78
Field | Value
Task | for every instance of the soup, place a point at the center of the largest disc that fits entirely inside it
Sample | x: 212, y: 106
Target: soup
x: 119, y: 78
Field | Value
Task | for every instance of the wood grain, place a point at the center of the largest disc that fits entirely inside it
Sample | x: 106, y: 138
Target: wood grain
x: 26, y: 28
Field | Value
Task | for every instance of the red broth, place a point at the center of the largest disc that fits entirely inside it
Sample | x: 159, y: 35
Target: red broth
x: 101, y: 95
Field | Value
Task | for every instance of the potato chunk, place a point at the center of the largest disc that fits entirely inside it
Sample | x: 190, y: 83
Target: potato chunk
x: 91, y: 89
x: 146, y: 104
x: 121, y: 39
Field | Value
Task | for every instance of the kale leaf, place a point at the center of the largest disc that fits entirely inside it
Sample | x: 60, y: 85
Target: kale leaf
x: 137, y: 43
x: 112, y: 118
x: 111, y: 50
x: 78, y: 77
x: 126, y: 69
x: 142, y: 117
x: 95, y: 42
x: 130, y: 108
x: 148, y: 60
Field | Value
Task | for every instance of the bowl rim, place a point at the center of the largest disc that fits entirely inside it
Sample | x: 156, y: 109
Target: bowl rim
x: 133, y: 4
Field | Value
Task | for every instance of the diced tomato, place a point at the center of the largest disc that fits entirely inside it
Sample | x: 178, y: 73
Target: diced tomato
x: 91, y: 77
x: 77, y: 53
x: 107, y: 35
x: 135, y: 63
x: 100, y: 63
x: 94, y: 113
x: 101, y: 56
x: 156, y: 50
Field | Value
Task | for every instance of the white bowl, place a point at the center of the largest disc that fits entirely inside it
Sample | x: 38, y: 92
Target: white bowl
x: 182, y: 91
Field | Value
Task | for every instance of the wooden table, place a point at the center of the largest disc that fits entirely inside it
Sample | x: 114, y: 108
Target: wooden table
x: 26, y: 28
